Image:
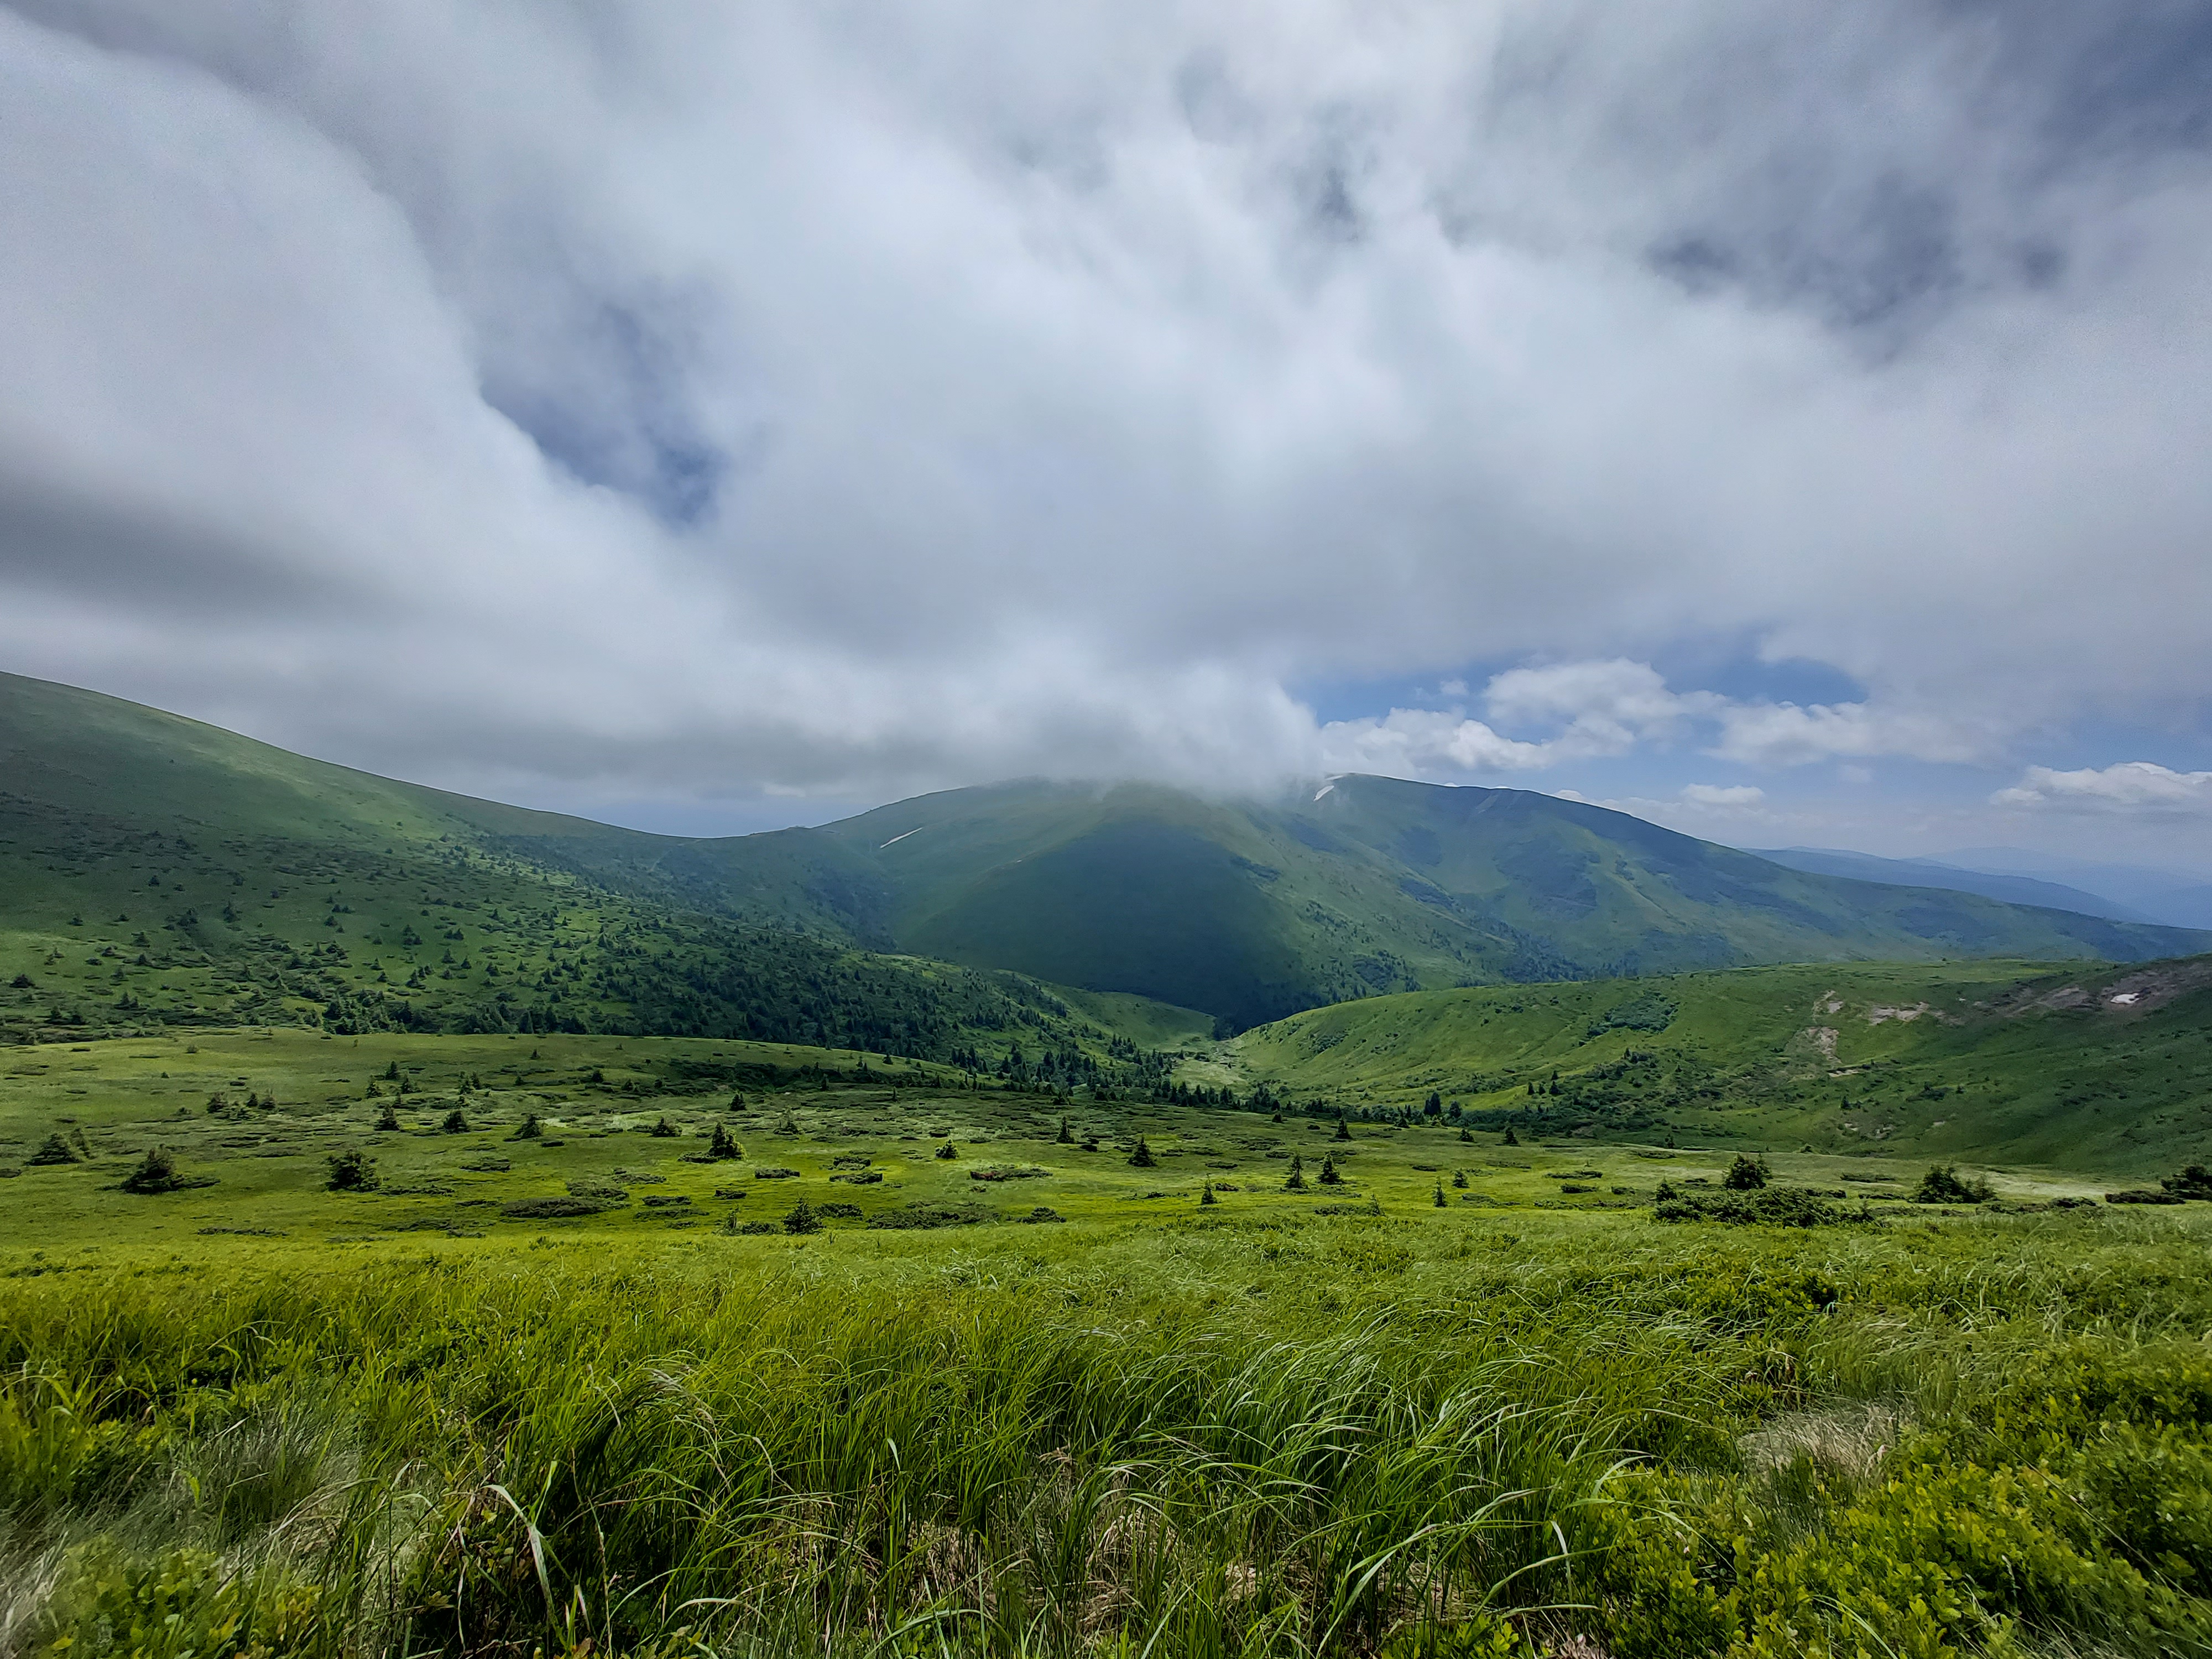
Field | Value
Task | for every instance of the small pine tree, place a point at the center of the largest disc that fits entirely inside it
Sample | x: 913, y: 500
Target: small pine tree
x: 387, y: 1119
x: 802, y: 1219
x: 1511, y: 1139
x: 1343, y: 1129
x: 737, y: 1100
x: 530, y: 1129
x: 56, y: 1150
x: 1465, y: 1136
x: 1296, y: 1183
x: 663, y: 1130
x: 1433, y: 1106
x: 1142, y: 1159
x: 1329, y: 1177
x: 1066, y: 1138
x: 156, y: 1173
x: 391, y: 1072
x: 724, y: 1145
x: 1205, y: 1194
x: 1745, y: 1175
x: 1440, y: 1196
x: 948, y: 1151
x: 1459, y: 1178
x: 456, y: 1123
x: 351, y: 1172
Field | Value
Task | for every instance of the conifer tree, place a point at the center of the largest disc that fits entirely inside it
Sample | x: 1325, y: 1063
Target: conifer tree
x: 1511, y: 1139
x: 1142, y: 1159
x: 1329, y: 1177
x: 1205, y: 1194
x: 1296, y: 1183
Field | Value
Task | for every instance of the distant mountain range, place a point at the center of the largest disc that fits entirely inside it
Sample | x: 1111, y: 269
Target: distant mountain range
x: 2116, y: 892
x: 1242, y: 910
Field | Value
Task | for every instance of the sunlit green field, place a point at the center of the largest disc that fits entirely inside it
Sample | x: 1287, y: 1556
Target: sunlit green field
x: 1067, y: 1408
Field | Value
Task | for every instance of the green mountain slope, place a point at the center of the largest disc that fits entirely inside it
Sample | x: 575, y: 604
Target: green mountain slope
x: 2091, y: 1066
x: 1370, y: 886
x: 1246, y: 911
x: 156, y: 872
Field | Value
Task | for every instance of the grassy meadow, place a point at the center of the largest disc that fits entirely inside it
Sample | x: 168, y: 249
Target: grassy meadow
x: 597, y: 1388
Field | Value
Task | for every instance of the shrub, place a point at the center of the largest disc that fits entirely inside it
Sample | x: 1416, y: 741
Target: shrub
x: 947, y: 1151
x: 1511, y: 1139
x: 1205, y: 1194
x: 1745, y: 1174
x: 802, y: 1219
x: 929, y: 1215
x: 1042, y: 1213
x: 55, y: 1149
x: 551, y: 1209
x: 838, y: 1211
x: 1772, y: 1207
x: 530, y: 1130
x: 2194, y: 1182
x: 775, y: 1174
x: 351, y: 1172
x: 1941, y: 1185
x: 664, y: 1130
x: 157, y: 1173
x: 2144, y: 1195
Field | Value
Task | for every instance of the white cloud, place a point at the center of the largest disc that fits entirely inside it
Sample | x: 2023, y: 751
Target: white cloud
x: 1786, y: 734
x: 2132, y: 786
x: 1728, y: 797
x: 678, y: 398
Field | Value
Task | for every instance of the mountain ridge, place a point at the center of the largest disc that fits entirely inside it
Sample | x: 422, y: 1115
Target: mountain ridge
x: 1245, y: 909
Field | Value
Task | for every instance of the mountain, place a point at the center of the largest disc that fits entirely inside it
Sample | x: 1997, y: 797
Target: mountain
x: 2170, y: 897
x: 157, y: 872
x: 2096, y: 1068
x: 1931, y: 872
x: 359, y: 888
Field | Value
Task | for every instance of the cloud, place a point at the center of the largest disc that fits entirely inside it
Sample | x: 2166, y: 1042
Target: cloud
x: 678, y: 399
x: 2128, y: 786
x: 1728, y: 796
x: 1785, y: 734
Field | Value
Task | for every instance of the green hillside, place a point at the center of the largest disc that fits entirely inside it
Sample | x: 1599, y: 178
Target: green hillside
x: 2097, y: 1067
x: 1370, y: 885
x: 157, y: 872
x: 255, y: 883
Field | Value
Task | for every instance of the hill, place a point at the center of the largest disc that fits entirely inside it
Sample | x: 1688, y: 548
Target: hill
x: 1369, y: 885
x: 1245, y: 910
x: 2089, y: 1067
x: 155, y: 872
x: 1932, y: 873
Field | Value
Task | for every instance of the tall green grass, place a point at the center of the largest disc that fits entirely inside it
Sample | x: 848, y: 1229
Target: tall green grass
x: 1346, y: 1438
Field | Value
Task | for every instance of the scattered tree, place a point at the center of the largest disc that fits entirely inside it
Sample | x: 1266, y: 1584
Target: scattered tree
x: 1440, y: 1195
x: 1329, y: 1177
x: 1511, y: 1139
x: 1142, y: 1159
x: 387, y: 1119
x: 56, y: 1149
x: 1296, y: 1183
x: 724, y: 1144
x: 663, y: 1130
x: 1066, y: 1138
x: 1745, y: 1175
x: 455, y: 1124
x: 530, y: 1129
x: 802, y: 1219
x: 948, y: 1151
x: 351, y: 1172
x: 1205, y: 1194
x: 1944, y: 1185
x: 1459, y: 1178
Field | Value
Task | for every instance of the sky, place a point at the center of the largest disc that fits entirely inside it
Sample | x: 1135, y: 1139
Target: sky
x: 1788, y: 423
